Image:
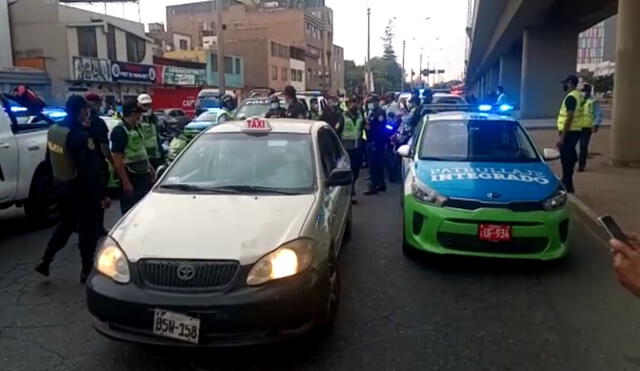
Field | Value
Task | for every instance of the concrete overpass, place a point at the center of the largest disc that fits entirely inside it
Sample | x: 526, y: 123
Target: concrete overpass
x: 528, y: 46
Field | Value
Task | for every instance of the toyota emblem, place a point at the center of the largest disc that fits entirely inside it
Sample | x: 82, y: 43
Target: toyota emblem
x: 186, y: 272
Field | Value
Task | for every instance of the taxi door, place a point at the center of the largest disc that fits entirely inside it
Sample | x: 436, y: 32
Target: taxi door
x: 336, y: 200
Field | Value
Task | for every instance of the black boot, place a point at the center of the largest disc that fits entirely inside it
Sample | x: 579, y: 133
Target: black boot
x: 42, y: 268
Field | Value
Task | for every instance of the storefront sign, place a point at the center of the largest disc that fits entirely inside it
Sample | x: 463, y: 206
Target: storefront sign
x: 91, y: 69
x: 133, y: 72
x: 184, y: 76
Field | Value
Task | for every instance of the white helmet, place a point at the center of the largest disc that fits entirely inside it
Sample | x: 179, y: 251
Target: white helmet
x: 144, y: 99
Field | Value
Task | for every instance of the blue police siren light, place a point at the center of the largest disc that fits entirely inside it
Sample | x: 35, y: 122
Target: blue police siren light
x: 485, y: 108
x: 389, y: 127
x: 56, y: 114
x: 18, y: 109
x: 506, y: 108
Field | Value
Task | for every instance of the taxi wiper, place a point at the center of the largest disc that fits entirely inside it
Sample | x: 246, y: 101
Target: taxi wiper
x: 254, y: 189
x: 194, y: 188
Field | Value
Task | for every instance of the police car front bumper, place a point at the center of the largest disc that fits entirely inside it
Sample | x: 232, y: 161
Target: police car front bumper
x: 537, y: 235
x: 240, y: 316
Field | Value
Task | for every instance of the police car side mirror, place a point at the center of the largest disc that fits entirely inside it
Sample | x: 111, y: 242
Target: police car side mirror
x: 340, y: 177
x: 160, y: 171
x: 551, y: 154
x: 404, y: 151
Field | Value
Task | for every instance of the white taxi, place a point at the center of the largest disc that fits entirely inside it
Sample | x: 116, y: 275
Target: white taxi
x: 236, y: 244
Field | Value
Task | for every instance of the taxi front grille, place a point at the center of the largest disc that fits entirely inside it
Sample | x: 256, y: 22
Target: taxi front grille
x: 475, y: 205
x: 469, y: 243
x: 186, y: 276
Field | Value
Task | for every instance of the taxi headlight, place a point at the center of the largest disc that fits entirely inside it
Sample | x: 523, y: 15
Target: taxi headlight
x: 112, y: 262
x: 557, y: 201
x: 426, y: 194
x: 287, y: 260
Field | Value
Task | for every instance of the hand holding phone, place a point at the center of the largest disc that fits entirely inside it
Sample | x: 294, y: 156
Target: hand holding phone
x: 614, y: 230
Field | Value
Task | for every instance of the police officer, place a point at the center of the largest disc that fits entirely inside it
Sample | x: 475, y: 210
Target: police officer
x: 352, y: 140
x: 376, y: 143
x: 589, y: 119
x: 76, y: 164
x: 333, y: 115
x: 569, y: 119
x: 295, y: 108
x: 100, y: 134
x: 130, y: 157
x: 179, y: 143
x: 314, y: 109
x: 149, y: 130
x: 275, y: 110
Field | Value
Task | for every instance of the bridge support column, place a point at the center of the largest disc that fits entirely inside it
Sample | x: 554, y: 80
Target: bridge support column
x: 626, y: 117
x: 549, y: 54
x: 511, y: 75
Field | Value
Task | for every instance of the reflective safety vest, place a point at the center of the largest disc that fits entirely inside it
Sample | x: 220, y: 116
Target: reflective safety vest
x: 135, y: 154
x: 352, y: 132
x: 587, y: 118
x: 62, y: 163
x: 577, y: 115
x: 178, y: 144
x: 150, y: 135
x: 314, y: 116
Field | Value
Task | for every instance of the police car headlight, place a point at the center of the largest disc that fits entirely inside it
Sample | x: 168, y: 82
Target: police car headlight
x: 426, y: 194
x: 557, y: 201
x: 287, y: 260
x: 112, y: 262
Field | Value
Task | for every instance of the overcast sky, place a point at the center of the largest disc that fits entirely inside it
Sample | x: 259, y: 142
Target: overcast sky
x: 441, y: 39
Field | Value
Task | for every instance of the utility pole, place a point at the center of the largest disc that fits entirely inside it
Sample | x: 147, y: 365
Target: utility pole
x: 404, y: 46
x: 222, y: 86
x: 367, y: 70
x: 420, y: 72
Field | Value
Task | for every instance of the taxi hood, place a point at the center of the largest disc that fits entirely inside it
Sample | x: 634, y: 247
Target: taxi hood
x: 211, y: 227
x: 489, y: 182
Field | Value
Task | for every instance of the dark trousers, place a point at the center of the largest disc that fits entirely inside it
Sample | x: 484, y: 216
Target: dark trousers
x: 141, y: 185
x: 355, y: 156
x: 585, y: 139
x: 568, y: 158
x: 375, y: 154
x: 76, y: 212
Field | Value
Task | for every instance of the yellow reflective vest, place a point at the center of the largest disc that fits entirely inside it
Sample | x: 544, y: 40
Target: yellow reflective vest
x: 588, y: 117
x: 577, y: 115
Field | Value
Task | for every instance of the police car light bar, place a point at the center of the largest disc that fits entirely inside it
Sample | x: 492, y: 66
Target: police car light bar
x: 18, y: 109
x: 485, y: 108
x: 506, y: 108
x: 257, y: 125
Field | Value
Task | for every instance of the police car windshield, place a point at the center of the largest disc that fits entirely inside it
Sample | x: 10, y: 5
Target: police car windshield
x: 476, y: 141
x: 242, y: 163
x: 252, y: 108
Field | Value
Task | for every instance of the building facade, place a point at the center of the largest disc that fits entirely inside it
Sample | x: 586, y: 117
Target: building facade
x: 597, y: 48
x: 337, y: 71
x: 83, y: 51
x: 251, y: 27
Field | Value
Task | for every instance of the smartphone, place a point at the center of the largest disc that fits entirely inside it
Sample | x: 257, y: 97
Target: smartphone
x: 613, y: 229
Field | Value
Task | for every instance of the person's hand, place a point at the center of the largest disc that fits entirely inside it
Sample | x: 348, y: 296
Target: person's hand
x: 626, y: 262
x: 127, y: 188
x: 105, y: 203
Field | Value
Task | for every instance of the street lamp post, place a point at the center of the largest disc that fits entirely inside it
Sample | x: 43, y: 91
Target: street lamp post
x: 404, y: 47
x: 222, y: 86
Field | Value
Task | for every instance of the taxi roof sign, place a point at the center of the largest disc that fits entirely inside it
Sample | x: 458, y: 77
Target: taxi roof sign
x: 257, y: 125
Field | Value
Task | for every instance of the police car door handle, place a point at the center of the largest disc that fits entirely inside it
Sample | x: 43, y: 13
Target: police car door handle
x: 5, y: 145
x: 33, y: 148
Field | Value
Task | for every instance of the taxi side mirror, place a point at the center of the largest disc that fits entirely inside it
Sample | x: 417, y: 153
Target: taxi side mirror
x: 550, y: 154
x: 160, y: 171
x: 340, y: 177
x: 404, y: 151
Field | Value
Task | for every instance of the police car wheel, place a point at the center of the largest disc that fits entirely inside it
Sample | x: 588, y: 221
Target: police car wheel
x: 41, y: 207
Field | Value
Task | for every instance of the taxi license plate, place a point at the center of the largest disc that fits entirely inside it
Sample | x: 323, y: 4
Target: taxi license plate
x: 176, y: 326
x: 494, y: 233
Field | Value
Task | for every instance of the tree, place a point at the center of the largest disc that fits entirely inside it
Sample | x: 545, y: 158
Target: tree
x: 389, y: 54
x: 387, y: 73
x: 353, y: 78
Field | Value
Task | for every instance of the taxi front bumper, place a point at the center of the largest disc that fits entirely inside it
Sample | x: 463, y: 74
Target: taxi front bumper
x: 537, y: 235
x: 243, y: 315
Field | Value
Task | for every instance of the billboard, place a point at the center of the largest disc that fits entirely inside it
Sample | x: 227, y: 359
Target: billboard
x: 91, y: 69
x: 133, y: 72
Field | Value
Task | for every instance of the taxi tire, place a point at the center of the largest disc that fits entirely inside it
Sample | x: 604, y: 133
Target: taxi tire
x: 327, y: 317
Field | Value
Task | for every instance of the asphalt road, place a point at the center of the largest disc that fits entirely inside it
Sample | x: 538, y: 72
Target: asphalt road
x: 395, y: 314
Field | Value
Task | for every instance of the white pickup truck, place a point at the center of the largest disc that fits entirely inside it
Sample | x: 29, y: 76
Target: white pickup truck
x: 25, y: 178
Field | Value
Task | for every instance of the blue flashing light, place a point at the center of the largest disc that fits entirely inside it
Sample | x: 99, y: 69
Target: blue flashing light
x: 56, y: 114
x: 506, y: 108
x: 18, y: 109
x: 485, y: 108
x: 389, y: 127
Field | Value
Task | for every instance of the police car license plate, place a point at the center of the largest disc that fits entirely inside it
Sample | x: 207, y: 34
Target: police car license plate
x: 176, y: 326
x: 494, y: 233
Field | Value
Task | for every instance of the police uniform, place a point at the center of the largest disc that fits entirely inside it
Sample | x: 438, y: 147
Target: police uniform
x: 100, y: 134
x: 376, y: 143
x: 587, y: 120
x: 76, y: 164
x: 276, y: 113
x: 149, y: 130
x: 568, y: 153
x: 353, y: 142
x: 130, y: 142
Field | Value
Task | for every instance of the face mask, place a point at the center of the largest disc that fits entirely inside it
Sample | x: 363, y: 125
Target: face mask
x: 275, y: 105
x: 565, y: 87
x: 371, y: 106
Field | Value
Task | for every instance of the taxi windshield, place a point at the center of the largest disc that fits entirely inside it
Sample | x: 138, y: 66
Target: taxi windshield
x: 476, y: 141
x: 251, y: 108
x: 242, y: 163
